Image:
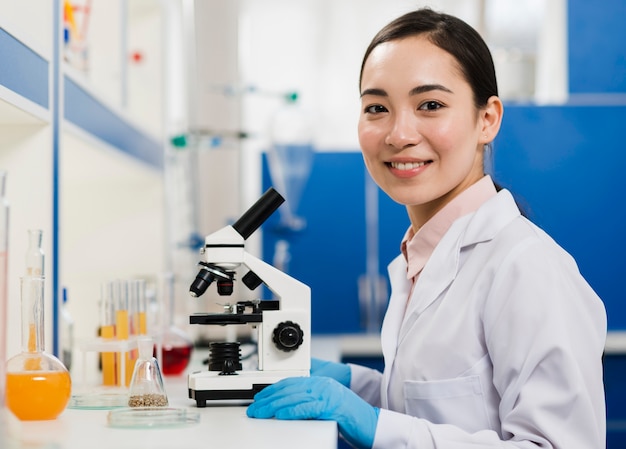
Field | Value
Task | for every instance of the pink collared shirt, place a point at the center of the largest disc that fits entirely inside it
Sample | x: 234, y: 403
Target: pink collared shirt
x: 418, y: 247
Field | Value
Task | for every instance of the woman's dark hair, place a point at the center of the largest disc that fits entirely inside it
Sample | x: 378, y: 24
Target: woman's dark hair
x: 451, y: 35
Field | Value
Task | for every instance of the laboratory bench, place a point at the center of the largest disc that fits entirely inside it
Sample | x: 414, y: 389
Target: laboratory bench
x: 221, y: 425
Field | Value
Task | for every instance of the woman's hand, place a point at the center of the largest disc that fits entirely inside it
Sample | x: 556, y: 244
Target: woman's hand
x: 338, y: 371
x: 318, y: 398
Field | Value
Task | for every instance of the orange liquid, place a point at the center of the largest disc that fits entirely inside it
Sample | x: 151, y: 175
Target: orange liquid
x: 108, y: 358
x: 38, y: 395
x: 122, y: 331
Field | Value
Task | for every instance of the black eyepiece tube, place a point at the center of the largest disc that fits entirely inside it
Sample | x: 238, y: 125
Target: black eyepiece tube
x: 260, y: 211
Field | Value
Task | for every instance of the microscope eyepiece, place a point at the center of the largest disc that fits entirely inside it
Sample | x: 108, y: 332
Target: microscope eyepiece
x: 260, y: 211
x: 249, y: 222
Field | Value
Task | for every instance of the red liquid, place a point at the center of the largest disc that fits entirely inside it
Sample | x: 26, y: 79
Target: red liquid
x: 175, y: 359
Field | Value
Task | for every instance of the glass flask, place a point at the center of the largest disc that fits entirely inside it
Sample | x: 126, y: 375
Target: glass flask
x: 38, y: 386
x: 146, y: 385
x: 176, y: 345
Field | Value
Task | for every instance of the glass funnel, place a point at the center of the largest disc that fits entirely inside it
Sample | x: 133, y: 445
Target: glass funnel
x: 38, y: 386
x: 146, y: 385
x: 290, y: 158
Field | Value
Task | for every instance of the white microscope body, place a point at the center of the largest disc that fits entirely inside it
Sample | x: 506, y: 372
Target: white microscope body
x: 283, y: 324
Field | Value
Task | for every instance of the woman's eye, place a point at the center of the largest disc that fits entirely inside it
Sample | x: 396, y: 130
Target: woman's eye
x: 430, y: 106
x: 375, y: 109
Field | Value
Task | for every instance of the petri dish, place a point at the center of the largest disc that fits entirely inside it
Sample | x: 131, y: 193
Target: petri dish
x: 147, y: 417
x: 99, y: 400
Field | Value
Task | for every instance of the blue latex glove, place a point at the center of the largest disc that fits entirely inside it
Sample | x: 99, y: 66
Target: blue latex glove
x: 338, y: 371
x: 318, y: 398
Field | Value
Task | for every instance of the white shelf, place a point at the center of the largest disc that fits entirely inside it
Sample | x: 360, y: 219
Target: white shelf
x: 17, y: 110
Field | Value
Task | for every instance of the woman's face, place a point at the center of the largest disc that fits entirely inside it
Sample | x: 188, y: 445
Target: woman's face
x: 420, y: 133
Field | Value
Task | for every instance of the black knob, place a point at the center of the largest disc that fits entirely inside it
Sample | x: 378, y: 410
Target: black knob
x: 288, y: 336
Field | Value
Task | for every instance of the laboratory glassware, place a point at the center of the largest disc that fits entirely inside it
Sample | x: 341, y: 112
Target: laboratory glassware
x: 139, y: 307
x: 124, y: 359
x: 38, y: 386
x: 34, y: 253
x: 146, y: 387
x: 107, y: 333
x: 290, y: 158
x: 176, y: 345
x: 66, y: 330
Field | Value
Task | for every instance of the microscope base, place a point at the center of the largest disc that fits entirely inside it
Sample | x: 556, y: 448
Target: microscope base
x: 211, y: 386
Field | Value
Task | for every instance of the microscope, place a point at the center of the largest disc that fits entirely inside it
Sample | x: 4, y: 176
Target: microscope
x: 283, y: 324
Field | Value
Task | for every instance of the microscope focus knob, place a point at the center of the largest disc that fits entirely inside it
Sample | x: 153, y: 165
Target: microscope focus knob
x: 288, y: 336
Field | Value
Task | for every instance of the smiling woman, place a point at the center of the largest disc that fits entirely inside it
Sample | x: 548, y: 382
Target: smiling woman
x: 491, y: 334
x: 419, y: 142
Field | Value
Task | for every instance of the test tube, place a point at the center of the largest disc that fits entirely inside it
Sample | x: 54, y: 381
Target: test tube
x: 107, y: 332
x: 137, y: 322
x: 122, y: 327
x: 138, y: 307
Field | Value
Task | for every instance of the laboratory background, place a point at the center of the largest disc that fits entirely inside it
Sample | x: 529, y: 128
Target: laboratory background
x: 132, y: 129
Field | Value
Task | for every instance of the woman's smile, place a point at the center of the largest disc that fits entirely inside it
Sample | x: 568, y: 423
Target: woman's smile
x: 407, y: 169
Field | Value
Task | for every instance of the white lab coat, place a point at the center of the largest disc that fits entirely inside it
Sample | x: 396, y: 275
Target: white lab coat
x: 499, y: 346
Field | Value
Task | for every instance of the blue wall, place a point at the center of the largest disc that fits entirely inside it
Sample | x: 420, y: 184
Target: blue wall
x: 597, y: 46
x: 565, y: 165
x: 329, y: 254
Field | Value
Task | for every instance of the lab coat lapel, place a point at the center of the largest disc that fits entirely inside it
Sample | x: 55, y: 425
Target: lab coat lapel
x: 444, y: 263
x: 401, y: 287
x: 436, y: 276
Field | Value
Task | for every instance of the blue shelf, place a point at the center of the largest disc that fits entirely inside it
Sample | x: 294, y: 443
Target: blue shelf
x: 23, y: 71
x: 87, y: 112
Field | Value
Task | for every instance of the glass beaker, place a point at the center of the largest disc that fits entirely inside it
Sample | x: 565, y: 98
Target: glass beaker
x: 146, y: 385
x: 38, y: 386
x: 176, y: 345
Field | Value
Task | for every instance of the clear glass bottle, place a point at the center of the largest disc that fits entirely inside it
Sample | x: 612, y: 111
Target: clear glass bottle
x: 38, y: 386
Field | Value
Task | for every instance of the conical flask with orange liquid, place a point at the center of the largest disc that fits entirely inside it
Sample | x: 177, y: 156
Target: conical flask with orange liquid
x: 38, y: 386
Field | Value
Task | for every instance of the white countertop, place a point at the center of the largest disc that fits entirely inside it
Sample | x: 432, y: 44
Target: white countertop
x: 222, y: 426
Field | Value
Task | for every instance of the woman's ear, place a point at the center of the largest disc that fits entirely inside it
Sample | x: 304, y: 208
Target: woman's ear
x: 491, y: 118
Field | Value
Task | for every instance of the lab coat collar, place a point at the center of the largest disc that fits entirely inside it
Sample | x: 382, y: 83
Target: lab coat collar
x: 443, y: 265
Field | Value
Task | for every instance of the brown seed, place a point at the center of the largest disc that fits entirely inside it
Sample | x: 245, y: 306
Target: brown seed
x: 148, y: 400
